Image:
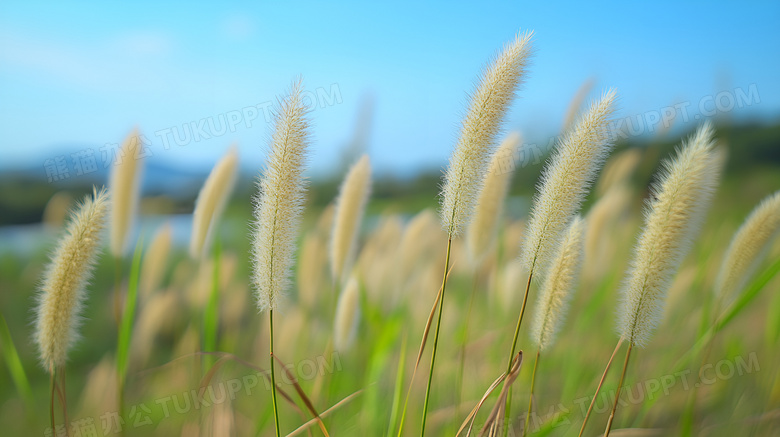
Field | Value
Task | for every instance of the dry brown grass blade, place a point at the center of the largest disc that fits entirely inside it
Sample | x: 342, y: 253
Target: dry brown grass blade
x: 303, y: 396
x: 306, y: 425
x: 515, y: 370
x: 496, y: 417
x: 475, y: 410
x: 429, y: 323
x: 229, y: 356
x: 422, y: 349
x: 212, y: 371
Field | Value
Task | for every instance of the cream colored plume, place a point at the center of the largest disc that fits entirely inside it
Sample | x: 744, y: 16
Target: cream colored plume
x: 63, y: 291
x: 155, y: 260
x: 56, y: 211
x: 490, y: 204
x: 418, y: 244
x: 576, y: 103
x: 279, y: 204
x: 124, y: 187
x: 347, y: 316
x: 606, y: 223
x: 680, y: 200
x: 211, y: 203
x: 350, y: 206
x: 559, y: 286
x: 618, y: 170
x: 565, y: 182
x: 748, y: 248
x: 489, y: 104
x: 312, y: 269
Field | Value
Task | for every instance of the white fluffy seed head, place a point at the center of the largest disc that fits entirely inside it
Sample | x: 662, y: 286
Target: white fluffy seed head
x: 748, y: 248
x: 559, y: 286
x: 124, y: 184
x: 211, y: 202
x: 62, y: 292
x: 347, y: 316
x: 279, y: 203
x: 155, y: 261
x: 350, y: 206
x: 565, y: 182
x: 679, y: 202
x: 466, y: 170
x: 490, y: 204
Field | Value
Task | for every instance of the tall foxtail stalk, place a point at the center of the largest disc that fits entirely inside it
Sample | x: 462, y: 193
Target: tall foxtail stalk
x: 565, y: 181
x: 63, y: 290
x: 679, y: 203
x: 556, y: 293
x: 277, y: 212
x: 124, y: 185
x: 350, y: 206
x: 463, y: 179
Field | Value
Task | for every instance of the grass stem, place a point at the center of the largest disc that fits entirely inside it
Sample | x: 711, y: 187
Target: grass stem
x: 273, y: 378
x: 436, y: 336
x: 51, y: 403
x: 531, y: 397
x: 598, y: 389
x: 617, y: 394
x: 508, y: 405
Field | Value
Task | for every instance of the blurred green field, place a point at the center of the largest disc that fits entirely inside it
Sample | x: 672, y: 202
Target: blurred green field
x: 168, y: 395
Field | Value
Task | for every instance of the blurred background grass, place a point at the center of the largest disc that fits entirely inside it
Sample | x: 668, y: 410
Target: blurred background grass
x: 394, y: 311
x: 73, y: 78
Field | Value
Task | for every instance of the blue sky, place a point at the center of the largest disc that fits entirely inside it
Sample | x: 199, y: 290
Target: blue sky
x: 77, y: 77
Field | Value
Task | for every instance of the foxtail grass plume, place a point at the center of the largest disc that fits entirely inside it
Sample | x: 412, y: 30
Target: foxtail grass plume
x: 607, y: 221
x: 211, y: 202
x: 748, y: 248
x: 124, y: 187
x: 62, y: 293
x: 350, y: 206
x: 347, y: 316
x: 56, y: 211
x: 417, y: 245
x: 559, y: 286
x: 679, y: 202
x: 279, y: 203
x: 490, y: 204
x: 466, y: 170
x: 155, y: 260
x: 312, y: 268
x: 576, y: 103
x: 618, y: 170
x: 565, y: 182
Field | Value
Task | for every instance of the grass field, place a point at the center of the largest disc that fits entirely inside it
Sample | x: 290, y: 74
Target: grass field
x: 173, y: 387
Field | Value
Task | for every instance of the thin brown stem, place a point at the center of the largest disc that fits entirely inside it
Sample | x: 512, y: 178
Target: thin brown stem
x: 273, y: 378
x: 617, y: 394
x: 508, y: 404
x: 598, y: 389
x: 531, y: 397
x: 436, y: 336
x: 51, y: 403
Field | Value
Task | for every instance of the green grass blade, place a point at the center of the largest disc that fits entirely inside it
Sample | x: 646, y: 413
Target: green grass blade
x: 15, y: 365
x: 733, y: 311
x: 211, y: 313
x: 126, y: 326
x: 398, y: 390
x: 748, y: 295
